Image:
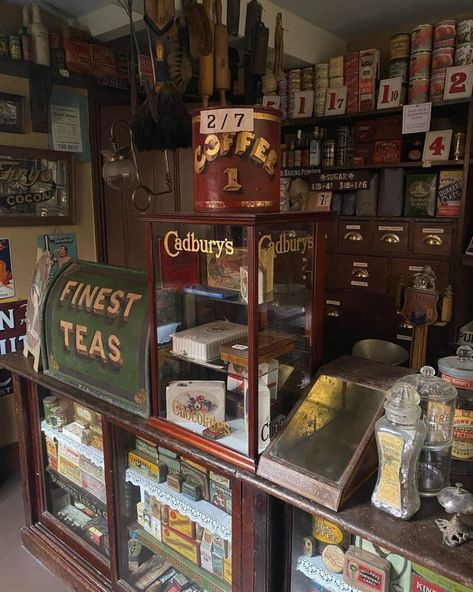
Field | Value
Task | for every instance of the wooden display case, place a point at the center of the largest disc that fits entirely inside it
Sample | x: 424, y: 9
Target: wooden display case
x: 237, y: 310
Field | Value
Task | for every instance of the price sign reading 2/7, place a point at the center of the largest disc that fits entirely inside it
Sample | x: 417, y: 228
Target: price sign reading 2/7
x: 215, y: 121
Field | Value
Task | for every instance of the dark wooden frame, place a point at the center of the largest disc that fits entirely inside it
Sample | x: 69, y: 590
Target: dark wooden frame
x: 19, y: 100
x: 30, y: 220
x: 251, y: 222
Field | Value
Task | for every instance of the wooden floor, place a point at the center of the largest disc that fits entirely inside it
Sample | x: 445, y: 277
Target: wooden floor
x: 19, y: 571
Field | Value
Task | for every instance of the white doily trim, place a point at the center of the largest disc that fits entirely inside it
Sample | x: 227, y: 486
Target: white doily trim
x: 313, y: 568
x: 204, y: 513
x: 93, y: 454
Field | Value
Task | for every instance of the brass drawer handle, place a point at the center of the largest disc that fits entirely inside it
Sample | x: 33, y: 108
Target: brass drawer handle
x: 333, y: 313
x: 360, y: 273
x: 353, y: 236
x: 433, y: 240
x: 390, y: 238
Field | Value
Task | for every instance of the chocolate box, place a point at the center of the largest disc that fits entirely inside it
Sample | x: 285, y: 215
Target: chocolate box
x: 69, y: 469
x: 366, y: 571
x: 187, y: 547
x: 150, y: 467
x: 387, y: 151
x: 181, y: 523
x: 203, y: 342
x: 365, y: 131
x: 220, y: 496
x: 369, y: 74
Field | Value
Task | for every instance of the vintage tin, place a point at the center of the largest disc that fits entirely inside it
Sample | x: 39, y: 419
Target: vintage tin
x: 443, y: 58
x: 58, y: 418
x: 437, y: 86
x: 444, y: 34
x: 387, y: 151
x: 400, y: 46
x: 4, y: 49
x: 48, y: 405
x: 187, y: 547
x: 465, y: 32
x: 458, y: 145
x: 419, y: 66
x: 333, y: 558
x: 369, y: 60
x: 336, y: 67
x: 321, y: 70
x: 422, y: 38
x: 307, y: 81
x: 366, y: 571
x: 336, y: 82
x: 419, y: 91
x: 328, y: 158
x: 399, y: 68
x: 238, y: 172
x: 15, y: 47
x: 449, y: 193
x: 464, y: 54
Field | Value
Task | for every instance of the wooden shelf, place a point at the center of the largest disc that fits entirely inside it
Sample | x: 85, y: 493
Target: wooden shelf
x: 304, y: 172
x: 84, y: 496
x: 467, y: 261
x: 325, y: 120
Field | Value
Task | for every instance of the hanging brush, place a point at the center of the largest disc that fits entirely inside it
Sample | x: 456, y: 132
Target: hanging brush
x: 163, y: 121
x: 278, y: 68
x: 200, y: 30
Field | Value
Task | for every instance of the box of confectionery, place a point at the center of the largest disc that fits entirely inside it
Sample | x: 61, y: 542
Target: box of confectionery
x: 203, y: 342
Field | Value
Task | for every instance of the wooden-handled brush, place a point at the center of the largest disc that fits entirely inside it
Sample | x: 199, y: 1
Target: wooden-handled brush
x: 206, y: 66
x: 222, y: 73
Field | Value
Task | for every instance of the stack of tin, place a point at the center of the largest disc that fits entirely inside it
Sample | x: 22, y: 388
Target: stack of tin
x: 344, y: 146
x: 464, y: 52
x: 399, y: 60
x: 335, y: 69
x: 294, y: 85
x: 307, y: 80
x: 321, y: 85
x: 442, y: 58
x: 282, y: 92
x: 420, y: 62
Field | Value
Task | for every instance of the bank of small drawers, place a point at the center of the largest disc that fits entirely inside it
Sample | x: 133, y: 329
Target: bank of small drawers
x: 393, y: 237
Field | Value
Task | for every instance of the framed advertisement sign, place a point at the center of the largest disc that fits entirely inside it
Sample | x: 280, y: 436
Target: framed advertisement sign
x: 36, y: 187
x: 11, y: 113
x: 96, y: 332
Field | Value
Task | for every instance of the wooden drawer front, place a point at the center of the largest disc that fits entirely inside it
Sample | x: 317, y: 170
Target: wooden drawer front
x: 407, y: 268
x: 365, y: 274
x: 391, y: 237
x: 432, y: 239
x: 330, y: 229
x: 329, y: 260
x: 354, y: 237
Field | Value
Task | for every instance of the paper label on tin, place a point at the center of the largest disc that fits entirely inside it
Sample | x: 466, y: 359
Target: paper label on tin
x: 215, y: 121
x: 352, y: 227
x: 392, y: 228
x: 388, y: 490
x: 356, y: 264
x: 362, y: 284
x: 415, y: 268
x: 333, y: 302
x: 433, y: 230
x: 333, y: 558
x: 462, y: 448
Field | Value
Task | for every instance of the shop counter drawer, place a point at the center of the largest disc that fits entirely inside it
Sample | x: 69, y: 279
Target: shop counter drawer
x: 362, y: 274
x: 391, y: 238
x: 329, y: 261
x: 354, y: 236
x: 330, y: 229
x: 407, y: 268
x: 432, y: 238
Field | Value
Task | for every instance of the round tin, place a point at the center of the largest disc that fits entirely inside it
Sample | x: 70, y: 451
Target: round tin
x: 419, y: 66
x: 437, y: 86
x: 422, y: 38
x: 419, y: 91
x: 444, y: 34
x: 465, y: 31
x: 49, y: 403
x: 464, y: 54
x: 336, y: 67
x: 443, y: 58
x: 321, y: 69
x: 336, y: 82
x: 400, y: 46
x: 333, y: 558
x: 399, y: 68
x: 321, y: 83
x: 238, y: 172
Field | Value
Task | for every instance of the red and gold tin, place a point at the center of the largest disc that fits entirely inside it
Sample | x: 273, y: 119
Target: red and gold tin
x: 238, y: 171
x: 419, y: 91
x: 443, y: 58
x: 419, y: 66
x: 422, y: 38
x: 437, y: 86
x: 444, y: 34
x: 400, y: 46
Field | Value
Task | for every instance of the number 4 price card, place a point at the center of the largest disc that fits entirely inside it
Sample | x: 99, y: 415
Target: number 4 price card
x: 215, y: 121
x: 458, y: 83
x: 437, y: 145
x: 390, y: 93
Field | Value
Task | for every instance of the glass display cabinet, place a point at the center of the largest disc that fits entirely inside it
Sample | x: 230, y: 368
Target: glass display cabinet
x: 237, y: 315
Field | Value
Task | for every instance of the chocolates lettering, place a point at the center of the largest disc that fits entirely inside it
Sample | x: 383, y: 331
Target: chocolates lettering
x: 244, y: 144
x: 201, y: 418
x: 174, y: 244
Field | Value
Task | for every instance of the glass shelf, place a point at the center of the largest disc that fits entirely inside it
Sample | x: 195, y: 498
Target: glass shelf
x: 314, y: 569
x: 93, y: 454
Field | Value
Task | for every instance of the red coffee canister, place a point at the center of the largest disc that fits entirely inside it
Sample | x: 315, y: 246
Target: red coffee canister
x: 237, y: 171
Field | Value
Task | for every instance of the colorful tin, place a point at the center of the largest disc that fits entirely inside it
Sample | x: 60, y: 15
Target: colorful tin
x: 422, y: 38
x: 420, y: 64
x: 15, y: 47
x: 336, y: 66
x: 399, y: 68
x: 238, y: 171
x: 465, y: 31
x: 464, y: 54
x: 400, y: 46
x: 419, y: 91
x: 437, y: 86
x: 444, y: 34
x: 443, y: 58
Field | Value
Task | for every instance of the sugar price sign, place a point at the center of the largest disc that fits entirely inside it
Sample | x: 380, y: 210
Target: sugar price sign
x: 340, y: 181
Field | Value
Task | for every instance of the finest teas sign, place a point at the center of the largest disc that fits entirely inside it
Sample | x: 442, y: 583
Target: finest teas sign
x: 96, y: 332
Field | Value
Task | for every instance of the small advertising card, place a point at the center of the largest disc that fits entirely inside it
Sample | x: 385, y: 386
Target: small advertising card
x: 7, y: 284
x: 62, y: 246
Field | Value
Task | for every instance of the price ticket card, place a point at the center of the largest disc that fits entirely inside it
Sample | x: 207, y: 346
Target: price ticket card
x: 215, y: 121
x: 416, y: 118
